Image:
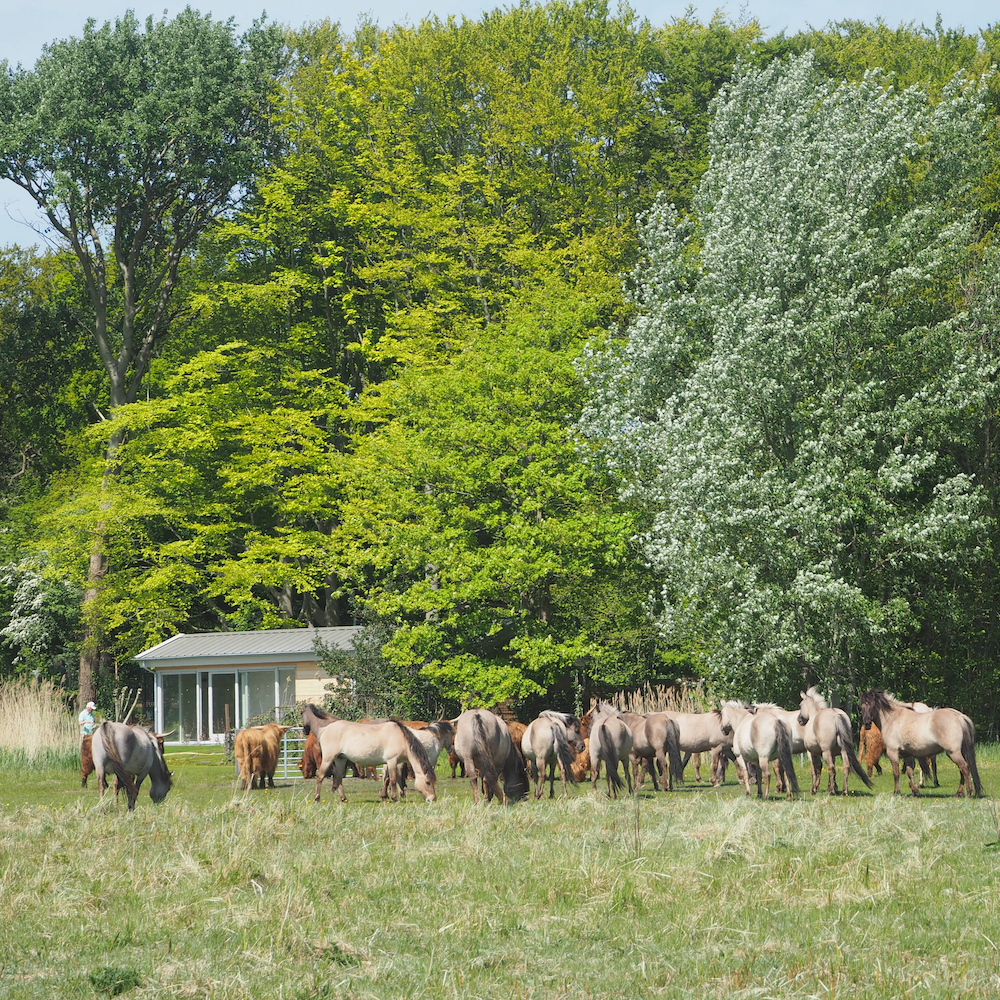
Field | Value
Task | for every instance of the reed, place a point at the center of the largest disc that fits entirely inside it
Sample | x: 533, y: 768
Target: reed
x: 685, y: 696
x: 36, y: 730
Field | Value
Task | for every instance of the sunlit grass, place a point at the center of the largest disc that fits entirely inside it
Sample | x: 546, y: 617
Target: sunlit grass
x: 703, y: 893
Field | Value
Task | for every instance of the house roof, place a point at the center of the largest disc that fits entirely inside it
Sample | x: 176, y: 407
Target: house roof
x: 266, y: 646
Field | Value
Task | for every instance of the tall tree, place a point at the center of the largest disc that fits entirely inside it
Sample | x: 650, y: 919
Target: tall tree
x: 799, y: 405
x: 132, y: 142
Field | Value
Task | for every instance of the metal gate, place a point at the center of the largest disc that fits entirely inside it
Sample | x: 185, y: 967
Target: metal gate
x: 292, y: 748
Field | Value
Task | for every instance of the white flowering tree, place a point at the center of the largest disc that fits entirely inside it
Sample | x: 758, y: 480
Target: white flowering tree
x: 798, y: 406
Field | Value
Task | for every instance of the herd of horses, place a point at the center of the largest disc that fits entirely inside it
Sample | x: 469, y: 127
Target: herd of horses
x: 501, y: 759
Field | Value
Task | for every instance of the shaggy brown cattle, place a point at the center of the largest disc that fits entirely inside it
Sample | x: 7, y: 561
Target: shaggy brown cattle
x: 257, y: 752
x: 870, y: 748
x: 86, y: 759
x: 311, y: 757
x: 581, y: 762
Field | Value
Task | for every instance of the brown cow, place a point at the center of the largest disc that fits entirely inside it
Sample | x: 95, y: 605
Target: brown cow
x: 257, y: 752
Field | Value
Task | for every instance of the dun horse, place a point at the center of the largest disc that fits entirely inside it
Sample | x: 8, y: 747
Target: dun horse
x: 370, y: 743
x: 758, y: 738
x: 132, y: 753
x: 484, y: 745
x: 909, y: 734
x: 610, y: 741
x: 552, y: 739
x: 826, y: 733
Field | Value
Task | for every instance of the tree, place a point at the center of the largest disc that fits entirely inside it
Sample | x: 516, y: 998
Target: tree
x: 132, y: 142
x: 799, y: 406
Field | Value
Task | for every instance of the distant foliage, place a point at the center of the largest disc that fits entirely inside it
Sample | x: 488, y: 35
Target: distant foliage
x: 368, y: 685
x: 797, y: 406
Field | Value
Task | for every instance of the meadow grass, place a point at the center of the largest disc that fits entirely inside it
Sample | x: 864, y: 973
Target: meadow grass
x: 701, y: 893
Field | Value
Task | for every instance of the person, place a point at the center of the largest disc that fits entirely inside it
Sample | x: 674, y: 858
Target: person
x: 86, y: 720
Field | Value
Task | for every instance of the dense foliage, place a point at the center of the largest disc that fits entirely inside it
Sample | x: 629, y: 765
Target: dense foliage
x: 356, y: 394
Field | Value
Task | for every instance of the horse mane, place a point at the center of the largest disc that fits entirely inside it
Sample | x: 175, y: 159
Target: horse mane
x: 813, y: 693
x: 321, y: 714
x: 416, y: 748
x: 765, y: 704
x: 564, y: 717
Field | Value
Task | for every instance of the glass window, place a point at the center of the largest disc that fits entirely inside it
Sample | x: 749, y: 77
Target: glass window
x: 203, y: 735
x: 286, y: 687
x: 170, y: 688
x: 258, y: 693
x: 222, y: 696
x: 180, y: 706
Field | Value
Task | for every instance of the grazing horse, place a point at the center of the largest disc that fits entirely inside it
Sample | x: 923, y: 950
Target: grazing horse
x: 550, y: 740
x: 909, y: 734
x: 257, y: 750
x: 758, y: 738
x: 485, y: 746
x: 610, y: 741
x: 370, y: 743
x: 435, y: 736
x: 826, y: 733
x: 132, y: 753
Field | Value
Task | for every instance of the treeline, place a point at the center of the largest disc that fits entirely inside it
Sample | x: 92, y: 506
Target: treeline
x: 321, y: 355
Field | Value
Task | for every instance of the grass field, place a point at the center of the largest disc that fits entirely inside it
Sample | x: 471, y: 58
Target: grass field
x: 228, y: 894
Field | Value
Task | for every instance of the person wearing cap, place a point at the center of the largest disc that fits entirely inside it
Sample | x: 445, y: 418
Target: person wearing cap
x: 86, y: 720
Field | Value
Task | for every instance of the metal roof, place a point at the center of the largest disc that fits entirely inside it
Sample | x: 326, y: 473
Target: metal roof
x: 269, y: 645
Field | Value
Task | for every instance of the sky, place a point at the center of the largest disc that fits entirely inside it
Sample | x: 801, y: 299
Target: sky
x: 29, y: 26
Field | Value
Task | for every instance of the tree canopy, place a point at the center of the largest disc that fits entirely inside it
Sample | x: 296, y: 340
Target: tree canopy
x: 355, y: 305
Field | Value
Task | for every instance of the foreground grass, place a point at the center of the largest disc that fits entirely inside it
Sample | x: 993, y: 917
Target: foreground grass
x: 225, y: 894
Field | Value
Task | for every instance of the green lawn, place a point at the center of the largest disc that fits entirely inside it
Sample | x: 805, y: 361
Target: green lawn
x: 228, y: 894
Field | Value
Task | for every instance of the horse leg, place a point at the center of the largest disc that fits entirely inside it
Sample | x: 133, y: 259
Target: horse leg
x: 474, y: 781
x: 817, y: 770
x: 965, y: 781
x: 895, y: 772
x: 552, y: 779
x: 697, y: 767
x: 666, y: 776
x: 831, y: 763
x: 908, y: 763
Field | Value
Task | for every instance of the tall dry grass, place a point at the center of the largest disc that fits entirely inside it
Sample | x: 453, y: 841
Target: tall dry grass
x: 35, y: 726
x: 682, y: 697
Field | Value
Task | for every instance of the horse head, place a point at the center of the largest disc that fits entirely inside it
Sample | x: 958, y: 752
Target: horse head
x: 873, y: 704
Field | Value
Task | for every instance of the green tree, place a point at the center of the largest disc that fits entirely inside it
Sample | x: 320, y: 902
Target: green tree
x: 798, y: 406
x: 132, y: 142
x: 470, y: 522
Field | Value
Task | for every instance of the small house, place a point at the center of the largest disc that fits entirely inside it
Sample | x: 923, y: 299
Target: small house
x: 208, y: 682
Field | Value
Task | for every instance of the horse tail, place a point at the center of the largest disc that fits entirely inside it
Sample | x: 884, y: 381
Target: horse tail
x: 673, y: 748
x: 563, y: 752
x: 415, y: 749
x: 610, y: 755
x: 482, y: 757
x: 969, y: 753
x: 846, y: 738
x: 785, y: 754
x: 126, y: 780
